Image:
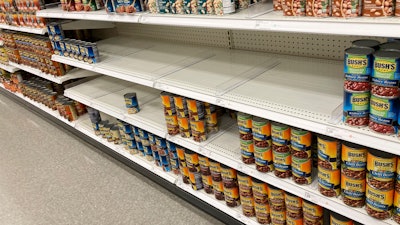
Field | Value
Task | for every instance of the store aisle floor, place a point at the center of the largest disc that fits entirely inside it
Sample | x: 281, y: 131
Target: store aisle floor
x: 48, y: 176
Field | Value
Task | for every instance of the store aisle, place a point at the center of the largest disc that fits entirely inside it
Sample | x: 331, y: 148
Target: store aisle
x: 48, y: 176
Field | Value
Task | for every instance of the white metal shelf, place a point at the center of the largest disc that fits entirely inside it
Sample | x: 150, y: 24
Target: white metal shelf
x: 73, y: 74
x: 8, y: 68
x: 298, y: 91
x: 24, y: 29
x: 223, y: 146
x: 258, y: 17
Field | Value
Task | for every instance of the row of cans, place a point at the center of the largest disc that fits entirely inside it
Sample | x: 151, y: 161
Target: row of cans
x: 21, y: 5
x: 22, y: 19
x: 81, y: 5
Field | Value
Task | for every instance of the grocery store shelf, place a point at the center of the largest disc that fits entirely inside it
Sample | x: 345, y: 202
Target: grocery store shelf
x: 223, y: 146
x: 24, y: 29
x: 286, y: 89
x: 258, y: 17
x: 73, y: 74
x: 8, y: 68
x: 100, y: 15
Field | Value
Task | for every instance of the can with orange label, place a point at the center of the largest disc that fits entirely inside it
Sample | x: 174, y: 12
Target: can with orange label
x: 172, y: 124
x: 300, y: 143
x: 294, y: 208
x: 379, y: 203
x: 184, y: 127
x: 328, y: 153
x: 261, y: 132
x: 260, y: 191
x: 181, y: 106
x: 312, y: 213
x: 192, y: 161
x: 381, y: 168
x: 229, y: 176
x: 204, y: 165
x: 232, y: 198
x: 301, y: 170
x: 198, y: 129
x: 196, y: 109
x: 207, y: 183
x: 353, y: 191
x: 293, y: 221
x: 262, y: 213
x: 328, y: 182
x: 354, y: 161
x: 245, y: 126
x: 276, y: 198
x: 215, y: 169
x: 278, y: 217
x: 263, y: 159
x: 218, y: 188
x: 245, y: 185
x: 396, y: 204
x: 247, y: 205
x: 167, y: 100
x: 247, y: 151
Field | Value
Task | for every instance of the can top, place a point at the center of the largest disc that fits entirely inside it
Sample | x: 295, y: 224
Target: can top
x: 225, y: 166
x: 339, y: 217
x: 390, y: 45
x: 243, y: 115
x: 108, y: 126
x: 242, y: 174
x: 273, y: 187
x: 365, y: 43
x: 352, y: 145
x: 380, y: 154
x: 259, y: 119
x: 255, y: 180
x: 277, y: 124
x: 166, y: 93
x: 359, y: 51
x: 387, y: 54
x: 326, y: 138
x: 130, y: 95
x: 190, y: 152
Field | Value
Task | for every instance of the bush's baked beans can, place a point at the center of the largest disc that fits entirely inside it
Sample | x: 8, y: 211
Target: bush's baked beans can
x: 356, y: 108
x: 379, y: 202
x: 167, y: 100
x: 300, y: 143
x: 301, y: 170
x: 354, y: 161
x: 184, y: 127
x: 198, y: 129
x: 366, y: 43
x: 192, y: 161
x: 245, y: 185
x: 397, y: 186
x: 232, y: 198
x: 276, y: 198
x: 381, y: 168
x: 353, y: 191
x: 385, y: 88
x: 195, y: 180
x: 229, y: 176
x: 294, y: 7
x: 318, y: 8
x: 218, y: 188
x: 207, y: 183
x: 247, y: 206
x: 328, y: 152
x: 212, y: 122
x: 357, y: 82
x: 196, y: 109
x: 149, y: 153
x: 278, y: 217
x: 346, y: 8
x: 172, y: 124
x: 358, y: 61
x: 223, y: 7
x: 377, y: 8
x: 329, y: 182
x: 337, y: 219
x: 396, y: 210
x: 386, y: 65
x: 280, y: 137
x: 262, y: 213
x: 245, y: 126
x: 215, y: 169
x: 204, y: 165
x: 312, y: 213
x: 181, y: 106
x: 282, y: 164
x: 182, y: 164
x: 261, y: 132
x: 260, y: 191
x: 293, y: 221
x: 263, y: 159
x: 247, y: 151
x: 294, y: 208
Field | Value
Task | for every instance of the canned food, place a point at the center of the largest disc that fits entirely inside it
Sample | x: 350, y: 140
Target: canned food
x: 207, y: 183
x: 294, y: 8
x: 260, y: 191
x: 356, y: 108
x: 181, y: 106
x: 261, y: 129
x: 196, y: 109
x: 168, y: 102
x: 212, y: 122
x: 209, y: 108
x: 353, y: 191
x: 278, y: 217
x: 143, y: 135
x: 192, y: 161
x: 177, y: 7
x: 346, y: 8
x: 377, y: 8
x: 245, y: 126
x: 282, y: 164
x: 385, y: 88
x: 301, y: 170
x: 337, y: 219
x: 198, y: 129
x: 148, y: 153
x: 366, y: 43
x: 131, y: 103
x: 294, y: 221
x: 156, y: 157
x: 161, y: 142
x: 132, y: 146
x: 276, y: 198
x: 277, y: 5
x: 379, y: 202
x: 232, y: 198
x: 245, y: 185
x: 386, y: 65
x: 218, y: 188
x: 96, y: 128
x: 140, y: 148
x: 229, y: 176
x: 328, y: 152
x: 247, y: 151
x: 396, y: 210
x: 383, y: 115
x: 94, y: 115
x: 224, y: 7
x: 262, y: 213
x: 247, y: 205
x: 107, y: 132
x: 354, y: 160
x: 358, y: 61
x: 312, y: 213
x: 390, y: 46
x: 300, y: 142
x: 204, y: 165
x: 116, y: 137
x: 381, y: 168
x: 215, y: 169
x: 397, y: 186
x: 172, y: 124
x: 294, y: 208
x: 263, y: 159
x: 184, y: 127
x: 323, y: 8
x: 328, y: 182
x: 280, y: 137
x: 126, y: 127
x: 195, y: 180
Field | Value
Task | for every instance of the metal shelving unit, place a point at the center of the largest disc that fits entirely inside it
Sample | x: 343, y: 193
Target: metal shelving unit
x: 24, y: 29
x: 8, y: 68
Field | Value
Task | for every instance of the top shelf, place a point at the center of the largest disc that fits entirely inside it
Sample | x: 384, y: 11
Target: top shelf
x: 259, y: 17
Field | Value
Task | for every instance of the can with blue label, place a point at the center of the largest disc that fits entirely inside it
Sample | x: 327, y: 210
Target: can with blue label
x: 357, y: 82
x: 358, y: 61
x: 385, y: 88
x: 386, y: 65
x: 131, y: 103
x: 356, y: 108
x: 384, y: 115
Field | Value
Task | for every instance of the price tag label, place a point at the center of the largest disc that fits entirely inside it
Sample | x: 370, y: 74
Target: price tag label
x: 307, y: 195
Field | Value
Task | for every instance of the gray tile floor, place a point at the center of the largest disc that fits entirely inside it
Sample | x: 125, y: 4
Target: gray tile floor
x: 48, y: 176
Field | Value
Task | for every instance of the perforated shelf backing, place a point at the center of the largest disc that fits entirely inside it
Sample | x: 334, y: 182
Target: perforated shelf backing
x: 187, y: 35
x: 298, y: 44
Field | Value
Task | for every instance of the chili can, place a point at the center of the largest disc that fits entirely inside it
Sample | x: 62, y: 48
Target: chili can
x: 353, y: 191
x: 168, y: 102
x: 329, y: 182
x: 312, y: 213
x: 247, y: 151
x: 328, y: 152
x: 396, y: 210
x: 280, y: 137
x: 276, y: 198
x: 301, y: 170
x: 263, y: 159
x: 245, y: 185
x: 300, y: 143
x: 261, y: 129
x: 381, y: 168
x: 218, y: 188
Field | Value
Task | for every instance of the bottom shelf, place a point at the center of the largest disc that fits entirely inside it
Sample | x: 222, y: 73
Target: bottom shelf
x: 83, y: 125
